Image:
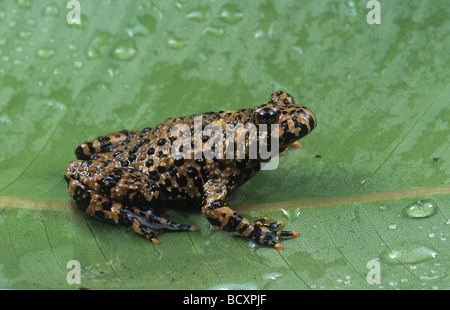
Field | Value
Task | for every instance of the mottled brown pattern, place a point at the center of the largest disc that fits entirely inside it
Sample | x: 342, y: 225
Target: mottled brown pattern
x: 127, y: 177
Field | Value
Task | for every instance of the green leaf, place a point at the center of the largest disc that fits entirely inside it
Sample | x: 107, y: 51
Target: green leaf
x: 380, y: 94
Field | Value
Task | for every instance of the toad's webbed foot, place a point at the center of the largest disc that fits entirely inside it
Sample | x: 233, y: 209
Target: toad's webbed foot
x: 216, y: 210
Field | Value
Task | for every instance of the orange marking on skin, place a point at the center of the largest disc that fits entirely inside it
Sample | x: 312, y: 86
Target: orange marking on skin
x: 278, y: 246
x: 296, y: 144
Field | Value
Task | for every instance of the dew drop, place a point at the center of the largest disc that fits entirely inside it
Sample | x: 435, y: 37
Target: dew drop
x: 12, y: 23
x: 98, y: 40
x: 231, y: 15
x: 286, y: 213
x: 195, y: 15
x: 420, y: 209
x: 176, y: 44
x: 408, y: 254
x: 218, y: 32
x: 51, y: 10
x: 73, y: 47
x: 125, y: 50
x: 272, y: 275
x: 45, y: 53
x: 24, y: 34
x: 392, y: 226
x: 383, y: 208
x: 24, y: 3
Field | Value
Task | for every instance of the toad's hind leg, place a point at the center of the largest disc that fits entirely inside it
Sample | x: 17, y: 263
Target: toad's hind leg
x: 101, y: 144
x: 144, y: 222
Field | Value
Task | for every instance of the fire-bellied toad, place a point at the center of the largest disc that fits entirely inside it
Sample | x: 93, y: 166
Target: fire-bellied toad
x: 127, y: 177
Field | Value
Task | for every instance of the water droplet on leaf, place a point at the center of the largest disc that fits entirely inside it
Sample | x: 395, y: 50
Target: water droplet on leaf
x: 125, y: 50
x: 420, y: 209
x: 45, y: 53
x: 408, y: 254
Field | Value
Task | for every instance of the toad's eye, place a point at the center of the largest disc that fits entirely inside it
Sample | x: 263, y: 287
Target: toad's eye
x: 267, y: 116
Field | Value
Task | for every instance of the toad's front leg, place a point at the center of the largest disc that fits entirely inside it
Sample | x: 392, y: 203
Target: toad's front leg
x: 222, y: 217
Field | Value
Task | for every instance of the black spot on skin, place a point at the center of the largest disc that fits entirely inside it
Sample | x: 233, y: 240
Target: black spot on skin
x: 179, y: 161
x: 86, y: 164
x: 132, y: 157
x: 116, y: 173
x: 221, y: 166
x: 149, y: 163
x: 161, y: 154
x: 82, y: 198
x: 154, y: 175
x: 290, y: 136
x: 106, y: 205
x: 125, y: 163
x: 133, y: 150
x: 79, y: 153
x: 161, y: 169
x: 161, y: 142
x: 232, y: 223
x: 172, y: 171
x: 198, y: 182
x: 214, y: 222
x: 181, y: 180
x: 151, y: 151
x: 244, y: 228
x: 174, y: 192
x: 106, y: 184
x: 146, y: 129
x: 302, y: 127
x: 192, y: 172
x: 90, y: 147
x: 142, y: 143
x: 201, y: 162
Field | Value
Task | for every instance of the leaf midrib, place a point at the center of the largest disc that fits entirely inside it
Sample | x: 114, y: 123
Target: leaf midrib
x: 56, y: 205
